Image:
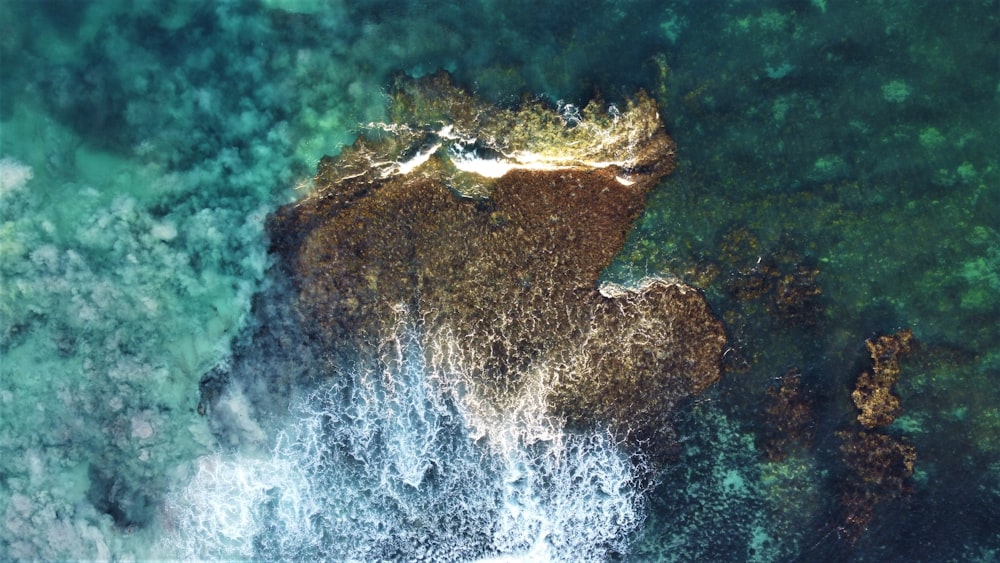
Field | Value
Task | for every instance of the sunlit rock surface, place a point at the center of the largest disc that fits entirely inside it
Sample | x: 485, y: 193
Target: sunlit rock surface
x: 500, y: 271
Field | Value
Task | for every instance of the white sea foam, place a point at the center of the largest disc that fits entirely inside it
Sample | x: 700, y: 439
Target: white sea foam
x: 383, y: 464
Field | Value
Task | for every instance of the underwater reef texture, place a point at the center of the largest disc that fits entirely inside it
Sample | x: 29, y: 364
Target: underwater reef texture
x: 880, y: 465
x: 836, y: 177
x: 502, y: 278
x: 873, y: 394
x: 790, y: 420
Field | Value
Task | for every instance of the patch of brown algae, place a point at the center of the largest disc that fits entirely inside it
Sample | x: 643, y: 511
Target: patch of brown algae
x: 488, y: 229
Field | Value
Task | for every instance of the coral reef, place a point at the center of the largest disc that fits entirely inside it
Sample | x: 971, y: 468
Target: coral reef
x: 503, y: 281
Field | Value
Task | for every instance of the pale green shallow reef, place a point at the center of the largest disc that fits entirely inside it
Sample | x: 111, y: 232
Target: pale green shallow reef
x: 837, y: 180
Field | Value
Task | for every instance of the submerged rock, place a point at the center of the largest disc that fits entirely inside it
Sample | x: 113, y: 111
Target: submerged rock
x: 873, y: 394
x: 488, y: 230
x: 789, y: 416
x: 879, y: 465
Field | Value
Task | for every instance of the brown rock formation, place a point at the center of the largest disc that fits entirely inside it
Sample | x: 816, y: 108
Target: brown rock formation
x: 881, y: 468
x: 879, y: 465
x: 784, y: 280
x: 873, y: 394
x: 500, y: 275
x: 789, y: 418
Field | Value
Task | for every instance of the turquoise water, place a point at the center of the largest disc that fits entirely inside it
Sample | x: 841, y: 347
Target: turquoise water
x: 848, y: 149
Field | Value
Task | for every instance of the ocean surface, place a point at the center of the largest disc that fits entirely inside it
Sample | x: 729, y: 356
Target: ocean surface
x: 837, y: 188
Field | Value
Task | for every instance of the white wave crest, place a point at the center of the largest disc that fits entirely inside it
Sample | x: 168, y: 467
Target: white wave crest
x: 382, y: 464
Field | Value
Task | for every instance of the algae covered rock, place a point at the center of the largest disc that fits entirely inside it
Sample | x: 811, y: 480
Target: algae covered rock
x: 873, y: 394
x: 488, y: 229
x: 879, y: 465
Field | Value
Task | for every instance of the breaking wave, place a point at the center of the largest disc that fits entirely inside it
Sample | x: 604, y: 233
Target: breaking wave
x: 389, y: 463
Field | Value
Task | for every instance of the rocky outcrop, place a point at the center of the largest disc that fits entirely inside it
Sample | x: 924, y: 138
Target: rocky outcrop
x: 879, y: 465
x: 489, y: 229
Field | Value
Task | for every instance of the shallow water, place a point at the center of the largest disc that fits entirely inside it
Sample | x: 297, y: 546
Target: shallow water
x: 838, y: 179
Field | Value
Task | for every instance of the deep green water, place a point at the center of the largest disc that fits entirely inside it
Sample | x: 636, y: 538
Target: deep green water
x: 142, y: 145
